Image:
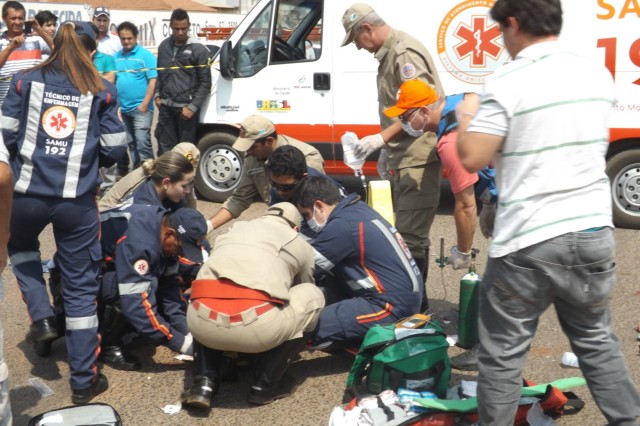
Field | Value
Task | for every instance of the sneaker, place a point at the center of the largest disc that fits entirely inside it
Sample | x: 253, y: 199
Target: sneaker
x: 466, y: 361
x: 459, y: 260
x: 199, y: 395
x: 82, y: 396
x: 262, y: 393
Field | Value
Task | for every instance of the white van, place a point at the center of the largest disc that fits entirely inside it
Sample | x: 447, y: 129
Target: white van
x: 316, y: 96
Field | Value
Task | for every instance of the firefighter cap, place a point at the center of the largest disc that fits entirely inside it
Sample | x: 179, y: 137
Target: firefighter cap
x: 189, y: 150
x: 350, y: 19
x: 252, y: 128
x: 412, y: 94
x: 287, y: 211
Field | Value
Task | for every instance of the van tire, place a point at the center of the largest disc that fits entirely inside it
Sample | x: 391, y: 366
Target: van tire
x: 220, y: 167
x: 623, y: 170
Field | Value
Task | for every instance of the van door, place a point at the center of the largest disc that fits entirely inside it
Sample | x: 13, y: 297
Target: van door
x: 280, y: 71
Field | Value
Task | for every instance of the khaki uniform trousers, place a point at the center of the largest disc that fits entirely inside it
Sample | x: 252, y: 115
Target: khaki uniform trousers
x: 258, y: 333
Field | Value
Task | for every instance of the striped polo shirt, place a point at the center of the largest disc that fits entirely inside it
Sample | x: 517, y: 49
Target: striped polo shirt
x: 552, y: 107
x: 23, y: 57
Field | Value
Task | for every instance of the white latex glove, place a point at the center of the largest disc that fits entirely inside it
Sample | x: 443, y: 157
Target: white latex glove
x: 187, y: 346
x: 459, y: 260
x: 383, y: 165
x: 209, y: 227
x: 368, y: 145
x: 487, y: 219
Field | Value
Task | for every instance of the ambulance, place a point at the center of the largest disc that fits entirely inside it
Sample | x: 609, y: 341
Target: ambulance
x: 297, y: 75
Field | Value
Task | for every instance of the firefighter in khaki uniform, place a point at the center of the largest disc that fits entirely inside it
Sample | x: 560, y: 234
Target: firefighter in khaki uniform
x: 258, y: 138
x: 409, y: 154
x: 254, y: 294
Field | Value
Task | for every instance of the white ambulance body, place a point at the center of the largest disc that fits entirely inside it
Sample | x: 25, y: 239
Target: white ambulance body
x: 317, y: 96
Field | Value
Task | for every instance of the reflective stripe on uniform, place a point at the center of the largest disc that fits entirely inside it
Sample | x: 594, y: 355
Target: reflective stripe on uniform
x: 113, y: 139
x: 82, y: 323
x: 363, y: 283
x: 30, y: 137
x: 396, y: 247
x: 24, y: 257
x: 10, y: 124
x: 77, y: 148
x: 322, y: 262
x: 133, y: 288
x: 116, y: 213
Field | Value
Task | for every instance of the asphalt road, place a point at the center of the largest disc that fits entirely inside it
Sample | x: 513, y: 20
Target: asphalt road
x: 140, y: 396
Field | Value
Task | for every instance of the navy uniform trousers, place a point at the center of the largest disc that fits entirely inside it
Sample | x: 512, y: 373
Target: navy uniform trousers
x: 76, y: 232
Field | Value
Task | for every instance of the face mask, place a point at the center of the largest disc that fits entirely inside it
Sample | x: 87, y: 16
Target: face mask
x: 406, y: 126
x: 313, y: 224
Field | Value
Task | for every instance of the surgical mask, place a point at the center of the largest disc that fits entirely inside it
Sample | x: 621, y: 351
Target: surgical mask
x: 410, y: 130
x: 313, y: 223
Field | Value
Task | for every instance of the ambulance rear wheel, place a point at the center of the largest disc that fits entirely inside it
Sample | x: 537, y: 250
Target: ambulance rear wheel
x: 220, y: 166
x: 623, y: 170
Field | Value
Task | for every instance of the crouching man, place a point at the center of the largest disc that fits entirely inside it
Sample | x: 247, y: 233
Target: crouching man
x: 362, y: 263
x: 254, y: 294
x: 140, y: 246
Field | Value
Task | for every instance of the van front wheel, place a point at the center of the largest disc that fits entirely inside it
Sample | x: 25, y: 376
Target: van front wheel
x: 623, y: 170
x: 220, y: 167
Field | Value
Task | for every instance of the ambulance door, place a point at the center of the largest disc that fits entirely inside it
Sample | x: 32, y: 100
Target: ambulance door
x: 277, y: 68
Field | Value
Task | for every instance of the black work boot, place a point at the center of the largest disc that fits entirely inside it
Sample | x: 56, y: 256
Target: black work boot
x: 82, y: 396
x: 272, y: 382
x: 207, y: 364
x: 43, y: 348
x: 43, y: 330
x: 113, y: 326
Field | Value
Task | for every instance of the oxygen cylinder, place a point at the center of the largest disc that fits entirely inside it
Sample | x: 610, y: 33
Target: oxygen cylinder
x: 468, y: 314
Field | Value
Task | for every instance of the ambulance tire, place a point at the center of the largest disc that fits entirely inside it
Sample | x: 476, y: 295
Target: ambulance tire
x: 220, y: 167
x: 623, y: 170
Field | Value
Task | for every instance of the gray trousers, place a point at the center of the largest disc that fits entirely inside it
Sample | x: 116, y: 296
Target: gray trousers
x: 576, y: 273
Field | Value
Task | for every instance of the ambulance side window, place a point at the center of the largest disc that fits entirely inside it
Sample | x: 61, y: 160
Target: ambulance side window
x: 251, y: 51
x: 298, y: 32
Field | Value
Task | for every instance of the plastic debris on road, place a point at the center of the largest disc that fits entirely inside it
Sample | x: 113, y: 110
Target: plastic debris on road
x: 40, y: 386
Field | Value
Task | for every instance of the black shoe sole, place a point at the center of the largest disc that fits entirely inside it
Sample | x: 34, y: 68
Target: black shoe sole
x: 196, y: 401
x: 100, y: 387
x: 121, y: 366
x: 49, y: 336
x: 258, y: 399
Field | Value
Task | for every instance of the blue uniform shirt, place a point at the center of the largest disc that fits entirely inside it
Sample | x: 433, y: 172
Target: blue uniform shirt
x: 57, y: 137
x: 146, y: 194
x: 131, y: 240
x: 360, y: 248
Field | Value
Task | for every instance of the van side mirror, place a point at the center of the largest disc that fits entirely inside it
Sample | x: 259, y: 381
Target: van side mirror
x: 227, y: 66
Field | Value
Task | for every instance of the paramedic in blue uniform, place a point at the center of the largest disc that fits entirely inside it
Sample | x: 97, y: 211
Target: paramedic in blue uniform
x: 362, y: 262
x: 60, y: 123
x: 141, y: 245
x: 170, y: 179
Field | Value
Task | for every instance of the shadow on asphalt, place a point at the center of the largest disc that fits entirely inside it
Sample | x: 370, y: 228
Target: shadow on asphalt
x: 28, y: 397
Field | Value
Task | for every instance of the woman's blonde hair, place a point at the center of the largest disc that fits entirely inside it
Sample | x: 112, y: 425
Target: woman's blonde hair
x: 169, y: 165
x: 70, y: 57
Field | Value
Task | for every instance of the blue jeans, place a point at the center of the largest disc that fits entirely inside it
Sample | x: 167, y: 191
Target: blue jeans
x: 138, y: 126
x: 576, y: 273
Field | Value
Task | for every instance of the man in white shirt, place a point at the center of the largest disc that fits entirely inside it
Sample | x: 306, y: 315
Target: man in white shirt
x: 108, y: 42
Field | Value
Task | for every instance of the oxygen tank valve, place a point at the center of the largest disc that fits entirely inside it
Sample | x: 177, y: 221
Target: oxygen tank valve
x: 442, y: 260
